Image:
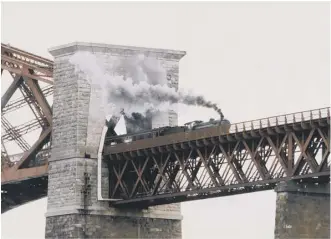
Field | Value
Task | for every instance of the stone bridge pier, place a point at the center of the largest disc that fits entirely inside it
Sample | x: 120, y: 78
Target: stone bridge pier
x: 302, y: 210
x: 73, y: 209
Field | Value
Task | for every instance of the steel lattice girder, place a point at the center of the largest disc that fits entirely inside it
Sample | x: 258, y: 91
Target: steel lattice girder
x: 26, y: 69
x: 210, y: 167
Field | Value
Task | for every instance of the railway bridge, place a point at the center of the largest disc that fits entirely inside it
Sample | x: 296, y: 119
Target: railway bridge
x: 133, y: 190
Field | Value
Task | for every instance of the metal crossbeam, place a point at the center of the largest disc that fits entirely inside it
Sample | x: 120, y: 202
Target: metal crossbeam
x: 34, y: 106
x: 14, y: 134
x: 22, y: 101
x: 205, y: 163
x: 38, y: 145
x: 21, y: 130
x: 11, y: 90
x: 21, y: 63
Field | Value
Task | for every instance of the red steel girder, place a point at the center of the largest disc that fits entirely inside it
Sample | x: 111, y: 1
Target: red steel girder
x: 36, y: 147
x: 15, y: 175
x: 21, y: 62
x: 11, y: 90
x: 35, y: 107
x: 27, y: 69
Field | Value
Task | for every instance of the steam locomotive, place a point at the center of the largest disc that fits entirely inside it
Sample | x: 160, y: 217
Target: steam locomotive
x: 224, y: 124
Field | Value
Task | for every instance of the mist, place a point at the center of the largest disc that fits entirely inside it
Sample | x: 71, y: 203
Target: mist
x: 137, y: 84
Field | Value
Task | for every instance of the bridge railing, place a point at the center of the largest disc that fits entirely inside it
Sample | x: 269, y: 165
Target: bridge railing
x: 280, y: 120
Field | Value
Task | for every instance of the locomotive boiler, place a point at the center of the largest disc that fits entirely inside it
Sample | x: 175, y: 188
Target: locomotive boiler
x: 198, y: 124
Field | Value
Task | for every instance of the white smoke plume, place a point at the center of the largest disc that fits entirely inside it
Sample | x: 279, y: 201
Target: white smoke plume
x: 141, y: 86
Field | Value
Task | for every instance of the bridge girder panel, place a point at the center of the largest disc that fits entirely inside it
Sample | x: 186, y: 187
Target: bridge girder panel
x: 209, y: 167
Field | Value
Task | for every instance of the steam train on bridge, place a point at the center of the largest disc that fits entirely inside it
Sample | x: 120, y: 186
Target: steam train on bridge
x: 222, y: 123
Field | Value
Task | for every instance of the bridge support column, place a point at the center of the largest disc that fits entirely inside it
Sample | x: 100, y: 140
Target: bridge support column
x: 73, y: 209
x: 302, y: 210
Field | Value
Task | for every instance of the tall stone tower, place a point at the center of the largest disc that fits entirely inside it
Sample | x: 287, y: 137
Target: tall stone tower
x: 73, y: 209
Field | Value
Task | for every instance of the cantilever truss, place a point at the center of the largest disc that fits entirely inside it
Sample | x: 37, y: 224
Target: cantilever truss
x: 26, y: 70
x: 201, y: 165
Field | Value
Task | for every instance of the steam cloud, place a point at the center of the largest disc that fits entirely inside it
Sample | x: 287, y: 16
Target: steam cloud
x: 136, y: 85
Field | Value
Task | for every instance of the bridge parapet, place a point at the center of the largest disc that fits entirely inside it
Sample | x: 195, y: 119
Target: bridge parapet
x: 243, y: 130
x: 286, y: 119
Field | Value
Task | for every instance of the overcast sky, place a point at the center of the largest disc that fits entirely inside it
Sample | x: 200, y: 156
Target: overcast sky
x: 254, y: 60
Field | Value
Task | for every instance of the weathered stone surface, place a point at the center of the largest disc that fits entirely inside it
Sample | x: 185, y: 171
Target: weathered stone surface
x: 73, y: 209
x: 99, y: 226
x: 302, y: 214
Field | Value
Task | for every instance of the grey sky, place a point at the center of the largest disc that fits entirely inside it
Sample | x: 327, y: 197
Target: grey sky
x: 255, y: 60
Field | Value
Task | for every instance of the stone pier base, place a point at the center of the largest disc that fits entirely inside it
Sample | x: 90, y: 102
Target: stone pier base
x: 302, y: 211
x: 101, y: 227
